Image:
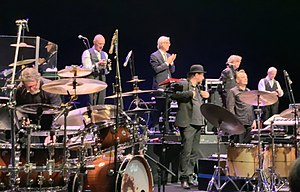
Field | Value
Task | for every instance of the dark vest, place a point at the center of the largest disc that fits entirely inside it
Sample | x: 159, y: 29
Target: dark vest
x: 94, y: 59
x: 268, y: 87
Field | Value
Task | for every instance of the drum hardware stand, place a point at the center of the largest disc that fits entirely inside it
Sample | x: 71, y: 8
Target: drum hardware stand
x: 262, y: 183
x: 216, y: 178
x: 159, y: 171
x: 14, y: 180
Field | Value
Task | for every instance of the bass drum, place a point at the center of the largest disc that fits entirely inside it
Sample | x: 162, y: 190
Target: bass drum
x: 135, y: 175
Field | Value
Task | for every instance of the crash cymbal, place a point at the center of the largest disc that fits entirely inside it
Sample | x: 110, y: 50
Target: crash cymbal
x: 74, y: 72
x: 97, y: 114
x: 83, y: 86
x: 222, y: 119
x: 289, y: 113
x: 23, y: 62
x: 138, y: 111
x: 138, y: 91
x: 136, y: 80
x: 115, y: 96
x: 261, y: 98
x: 169, y: 80
x: 44, y: 109
x: 22, y: 45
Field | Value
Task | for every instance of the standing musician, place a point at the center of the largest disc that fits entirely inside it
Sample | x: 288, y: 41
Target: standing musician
x: 243, y: 111
x: 29, y: 91
x: 163, y: 66
x: 271, y: 85
x: 228, y: 75
x: 190, y: 120
x: 51, y: 62
x: 96, y: 60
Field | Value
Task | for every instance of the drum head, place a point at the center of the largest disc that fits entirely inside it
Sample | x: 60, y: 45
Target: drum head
x: 137, y: 176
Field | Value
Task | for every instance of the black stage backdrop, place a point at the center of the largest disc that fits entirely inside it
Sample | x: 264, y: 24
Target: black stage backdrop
x: 264, y: 33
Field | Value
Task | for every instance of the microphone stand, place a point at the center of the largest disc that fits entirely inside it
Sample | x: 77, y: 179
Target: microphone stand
x: 119, y: 106
x: 12, y: 110
x: 288, y: 84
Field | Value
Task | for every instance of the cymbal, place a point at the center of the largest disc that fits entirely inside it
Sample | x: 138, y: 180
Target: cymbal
x: 265, y: 98
x: 23, y: 62
x: 139, y: 92
x: 169, y: 80
x: 83, y: 86
x: 289, y: 113
x: 74, y: 72
x: 46, y: 109
x: 222, y: 118
x: 138, y: 111
x: 22, y: 45
x: 114, y: 96
x: 136, y: 80
x: 98, y: 113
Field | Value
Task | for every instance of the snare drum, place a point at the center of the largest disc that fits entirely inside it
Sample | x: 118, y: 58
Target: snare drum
x: 283, y: 159
x: 134, y: 175
x: 242, y: 160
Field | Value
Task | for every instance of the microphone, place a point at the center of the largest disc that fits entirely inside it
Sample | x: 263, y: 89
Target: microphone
x: 285, y: 73
x: 127, y: 58
x: 82, y: 37
x: 114, y: 38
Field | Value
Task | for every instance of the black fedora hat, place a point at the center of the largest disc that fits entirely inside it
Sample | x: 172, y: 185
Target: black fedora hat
x: 196, y: 69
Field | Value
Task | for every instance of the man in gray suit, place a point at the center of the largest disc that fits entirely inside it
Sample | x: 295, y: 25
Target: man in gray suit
x: 190, y: 120
x: 163, y: 66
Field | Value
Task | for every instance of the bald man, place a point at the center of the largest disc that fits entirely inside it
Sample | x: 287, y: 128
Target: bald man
x: 96, y: 60
x: 269, y: 84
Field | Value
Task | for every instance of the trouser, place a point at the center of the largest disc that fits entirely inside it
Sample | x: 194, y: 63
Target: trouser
x: 190, y: 141
x: 244, y: 137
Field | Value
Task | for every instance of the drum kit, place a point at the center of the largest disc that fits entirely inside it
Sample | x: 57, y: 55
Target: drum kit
x: 78, y: 153
x: 264, y: 168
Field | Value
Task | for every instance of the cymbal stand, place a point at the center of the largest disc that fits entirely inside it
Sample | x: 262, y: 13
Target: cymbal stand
x: 216, y: 178
x: 262, y: 183
x: 12, y: 110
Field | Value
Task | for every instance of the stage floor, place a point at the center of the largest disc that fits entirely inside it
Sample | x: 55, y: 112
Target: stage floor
x: 175, y: 187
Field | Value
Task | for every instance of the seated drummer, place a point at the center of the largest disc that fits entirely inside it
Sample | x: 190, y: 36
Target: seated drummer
x: 29, y: 91
x: 243, y: 111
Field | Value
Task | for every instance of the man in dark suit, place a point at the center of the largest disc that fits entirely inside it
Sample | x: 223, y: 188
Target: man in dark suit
x: 190, y: 120
x: 163, y: 66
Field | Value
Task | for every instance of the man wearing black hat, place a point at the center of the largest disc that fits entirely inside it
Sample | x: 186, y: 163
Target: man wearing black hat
x: 190, y: 120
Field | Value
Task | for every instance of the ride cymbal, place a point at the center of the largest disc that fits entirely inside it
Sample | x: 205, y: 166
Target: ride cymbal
x: 23, y: 62
x: 74, y: 72
x: 222, y: 119
x: 258, y: 98
x: 78, y: 86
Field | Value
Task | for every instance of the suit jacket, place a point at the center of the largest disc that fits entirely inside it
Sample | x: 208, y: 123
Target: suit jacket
x: 161, y: 69
x: 185, y: 106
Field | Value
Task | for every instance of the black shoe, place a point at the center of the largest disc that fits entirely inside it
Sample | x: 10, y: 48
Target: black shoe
x: 185, y: 185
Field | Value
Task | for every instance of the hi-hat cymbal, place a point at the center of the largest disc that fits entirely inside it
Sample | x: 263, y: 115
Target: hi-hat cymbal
x: 114, y: 96
x: 66, y: 86
x: 289, y: 113
x: 136, y: 80
x: 222, y: 119
x: 98, y: 113
x: 74, y: 72
x: 138, y: 111
x: 22, y: 45
x: 261, y: 98
x: 138, y: 91
x: 23, y: 62
x: 44, y: 109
